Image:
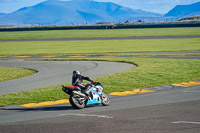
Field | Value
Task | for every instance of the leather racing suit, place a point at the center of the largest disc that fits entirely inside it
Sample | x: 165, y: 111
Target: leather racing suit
x: 77, y: 80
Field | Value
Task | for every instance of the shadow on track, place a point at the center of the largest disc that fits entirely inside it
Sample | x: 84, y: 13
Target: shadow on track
x: 42, y: 108
x: 46, y: 108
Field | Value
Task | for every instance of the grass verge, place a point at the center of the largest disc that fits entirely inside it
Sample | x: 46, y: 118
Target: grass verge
x: 100, y: 33
x: 97, y: 47
x: 13, y: 73
x: 149, y: 73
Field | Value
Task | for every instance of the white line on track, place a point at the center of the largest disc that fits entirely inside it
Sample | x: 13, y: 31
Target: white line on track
x: 87, y: 115
x: 192, y: 91
x: 185, y: 122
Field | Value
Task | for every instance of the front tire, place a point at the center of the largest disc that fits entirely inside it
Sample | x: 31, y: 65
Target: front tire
x: 105, y: 100
x: 75, y: 102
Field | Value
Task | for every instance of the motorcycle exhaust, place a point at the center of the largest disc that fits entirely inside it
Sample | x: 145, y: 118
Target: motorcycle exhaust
x: 79, y: 93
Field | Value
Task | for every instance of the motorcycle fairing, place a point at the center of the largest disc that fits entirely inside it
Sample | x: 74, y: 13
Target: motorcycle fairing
x: 96, y: 100
x: 96, y: 92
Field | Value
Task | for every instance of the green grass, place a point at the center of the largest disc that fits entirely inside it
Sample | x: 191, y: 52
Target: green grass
x: 99, y: 33
x: 149, y: 73
x: 97, y: 47
x: 13, y: 73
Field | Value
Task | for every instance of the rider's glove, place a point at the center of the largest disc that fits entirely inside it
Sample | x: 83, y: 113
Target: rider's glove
x: 94, y: 82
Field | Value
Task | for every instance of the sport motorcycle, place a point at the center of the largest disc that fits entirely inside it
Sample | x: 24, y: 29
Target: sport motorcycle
x: 79, y: 100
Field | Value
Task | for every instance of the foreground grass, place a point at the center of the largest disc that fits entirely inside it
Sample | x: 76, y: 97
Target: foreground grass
x: 100, y: 33
x: 149, y: 73
x: 97, y: 47
x: 13, y: 73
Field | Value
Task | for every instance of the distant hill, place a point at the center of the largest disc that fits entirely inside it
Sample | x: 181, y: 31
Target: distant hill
x: 184, y: 10
x: 72, y: 12
x: 190, y: 19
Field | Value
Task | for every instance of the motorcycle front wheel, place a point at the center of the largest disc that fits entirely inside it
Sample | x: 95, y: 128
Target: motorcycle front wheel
x: 77, y: 102
x: 105, y: 100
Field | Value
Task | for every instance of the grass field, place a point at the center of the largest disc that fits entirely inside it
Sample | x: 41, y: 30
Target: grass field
x: 99, y: 33
x: 13, y: 73
x: 97, y: 47
x: 149, y: 73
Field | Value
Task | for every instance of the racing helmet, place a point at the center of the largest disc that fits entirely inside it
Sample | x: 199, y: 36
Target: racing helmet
x: 76, y: 73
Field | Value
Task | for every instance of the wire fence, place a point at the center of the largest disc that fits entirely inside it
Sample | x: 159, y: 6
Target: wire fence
x: 142, y: 22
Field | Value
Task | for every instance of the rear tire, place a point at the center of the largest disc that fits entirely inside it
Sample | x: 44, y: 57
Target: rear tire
x: 74, y: 101
x: 105, y: 99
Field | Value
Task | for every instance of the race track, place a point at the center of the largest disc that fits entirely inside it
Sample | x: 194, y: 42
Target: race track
x: 56, y: 72
x: 169, y: 110
x: 176, y: 110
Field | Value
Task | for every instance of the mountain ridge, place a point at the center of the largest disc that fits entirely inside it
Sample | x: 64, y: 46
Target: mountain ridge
x: 184, y: 10
x: 72, y: 12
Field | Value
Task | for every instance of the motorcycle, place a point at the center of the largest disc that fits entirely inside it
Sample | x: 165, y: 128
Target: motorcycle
x: 79, y: 100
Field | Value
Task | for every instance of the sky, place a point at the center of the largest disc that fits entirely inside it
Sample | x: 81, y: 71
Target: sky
x: 157, y: 6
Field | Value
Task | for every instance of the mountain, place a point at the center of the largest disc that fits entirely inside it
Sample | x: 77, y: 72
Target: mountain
x: 184, y: 10
x: 72, y: 12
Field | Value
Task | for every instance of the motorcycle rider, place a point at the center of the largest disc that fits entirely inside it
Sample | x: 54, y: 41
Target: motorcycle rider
x: 77, y: 80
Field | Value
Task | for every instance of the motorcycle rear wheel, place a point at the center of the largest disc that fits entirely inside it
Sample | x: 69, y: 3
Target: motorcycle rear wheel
x: 74, y: 101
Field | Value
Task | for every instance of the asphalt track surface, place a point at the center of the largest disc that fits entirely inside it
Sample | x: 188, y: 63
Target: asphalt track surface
x: 51, y: 73
x: 166, y: 111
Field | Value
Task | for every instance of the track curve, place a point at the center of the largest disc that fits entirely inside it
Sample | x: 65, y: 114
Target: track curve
x: 55, y: 72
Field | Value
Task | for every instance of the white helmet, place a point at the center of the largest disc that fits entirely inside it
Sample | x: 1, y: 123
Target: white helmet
x: 76, y: 73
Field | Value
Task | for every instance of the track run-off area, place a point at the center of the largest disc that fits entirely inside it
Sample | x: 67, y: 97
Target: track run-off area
x: 169, y: 108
